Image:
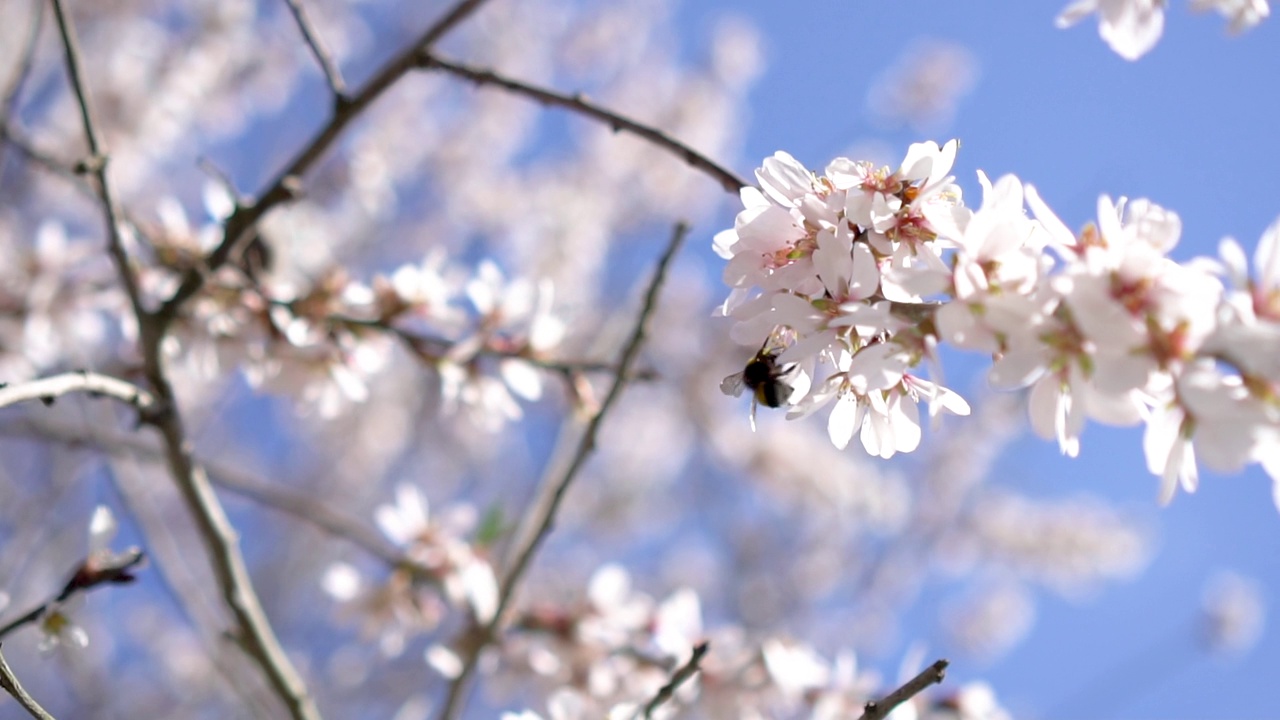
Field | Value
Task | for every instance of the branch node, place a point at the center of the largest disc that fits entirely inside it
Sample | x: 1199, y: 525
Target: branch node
x: 292, y: 187
x: 91, y: 165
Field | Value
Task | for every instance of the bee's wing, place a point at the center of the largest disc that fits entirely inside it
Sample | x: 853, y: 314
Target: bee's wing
x: 733, y: 385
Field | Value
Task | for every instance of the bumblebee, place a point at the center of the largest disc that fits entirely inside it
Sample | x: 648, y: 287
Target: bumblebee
x: 768, y: 380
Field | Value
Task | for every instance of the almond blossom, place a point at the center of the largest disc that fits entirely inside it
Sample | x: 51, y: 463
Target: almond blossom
x: 821, y: 260
x: 859, y: 274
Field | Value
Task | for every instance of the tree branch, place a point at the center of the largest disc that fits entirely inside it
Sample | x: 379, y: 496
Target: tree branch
x: 96, y: 163
x: 285, y: 186
x: 523, y: 558
x: 221, y: 541
x: 10, y: 683
x: 49, y: 388
x: 932, y: 675
x: 579, y: 104
x: 323, y: 57
x: 678, y: 678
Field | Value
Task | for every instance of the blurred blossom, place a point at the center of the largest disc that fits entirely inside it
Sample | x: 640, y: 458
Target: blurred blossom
x: 441, y: 570
x: 101, y: 564
x: 989, y: 621
x: 1233, y: 613
x: 1130, y: 27
x: 973, y: 701
x: 923, y: 88
x: 735, y: 51
x: 58, y: 629
x: 62, y: 292
x: 1241, y: 14
x: 1068, y: 545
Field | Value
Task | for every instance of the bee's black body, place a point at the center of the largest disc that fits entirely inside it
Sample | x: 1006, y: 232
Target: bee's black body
x: 766, y: 380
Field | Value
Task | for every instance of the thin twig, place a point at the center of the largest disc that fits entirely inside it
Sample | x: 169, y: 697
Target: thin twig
x: 96, y: 164
x: 9, y: 682
x: 91, y: 573
x: 678, y: 678
x: 523, y: 558
x: 285, y: 186
x: 433, y: 349
x: 254, y: 631
x: 932, y: 675
x: 308, y: 509
x: 12, y: 136
x: 322, y: 55
x: 579, y: 104
x: 19, y: 78
x: 49, y: 388
x: 285, y: 499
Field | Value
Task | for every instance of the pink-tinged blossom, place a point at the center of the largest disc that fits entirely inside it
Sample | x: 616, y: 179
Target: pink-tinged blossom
x: 1130, y: 27
x: 821, y: 260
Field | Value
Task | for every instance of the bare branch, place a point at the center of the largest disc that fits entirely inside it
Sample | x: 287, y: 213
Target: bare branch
x: 932, y: 675
x: 523, y: 558
x: 322, y: 55
x: 15, y: 138
x: 678, y: 678
x: 96, y: 164
x: 49, y: 388
x: 221, y: 541
x: 579, y: 104
x: 10, y: 683
x: 237, y: 229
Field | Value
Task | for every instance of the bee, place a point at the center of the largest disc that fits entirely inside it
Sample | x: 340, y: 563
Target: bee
x: 768, y: 380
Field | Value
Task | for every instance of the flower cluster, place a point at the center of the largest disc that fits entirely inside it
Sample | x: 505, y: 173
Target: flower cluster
x: 441, y: 569
x: 839, y: 266
x: 608, y: 655
x: 861, y: 273
x: 322, y: 341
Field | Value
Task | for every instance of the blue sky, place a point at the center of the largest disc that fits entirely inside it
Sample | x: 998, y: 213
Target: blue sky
x: 1190, y: 125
